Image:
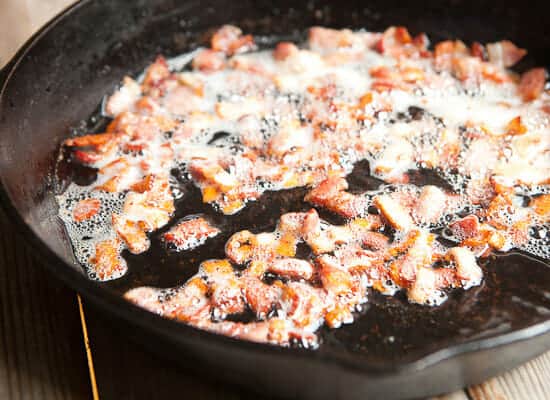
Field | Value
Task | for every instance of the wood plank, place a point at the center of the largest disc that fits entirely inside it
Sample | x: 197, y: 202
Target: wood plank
x: 123, y: 369
x: 41, y: 348
x: 528, y: 382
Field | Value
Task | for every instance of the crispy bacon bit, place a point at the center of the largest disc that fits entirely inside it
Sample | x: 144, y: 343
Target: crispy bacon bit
x: 424, y: 289
x: 504, y: 53
x: 329, y: 39
x: 446, y: 51
x: 374, y: 241
x: 422, y: 42
x: 96, y: 141
x: 418, y: 254
x: 541, y: 205
x: 107, y: 262
x: 532, y: 84
x: 334, y: 279
x: 465, y: 228
x: 394, y: 213
x: 478, y: 50
x: 143, y: 185
x: 515, y: 127
x: 302, y: 304
x: 155, y: 75
x: 190, y: 233
x: 240, y: 247
x: 209, y: 61
x: 292, y: 268
x: 284, y: 50
x: 431, y: 204
x: 124, y: 98
x: 230, y: 40
x: 331, y: 195
x: 152, y: 208
x: 393, y: 39
x: 467, y: 270
x: 261, y: 297
x: 86, y: 209
x: 212, y: 173
x: 132, y: 233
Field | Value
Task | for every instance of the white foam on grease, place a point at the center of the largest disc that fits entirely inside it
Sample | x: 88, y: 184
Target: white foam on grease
x: 85, y: 235
x: 491, y: 105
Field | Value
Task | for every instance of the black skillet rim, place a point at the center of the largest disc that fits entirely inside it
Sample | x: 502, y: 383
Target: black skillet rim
x: 115, y: 304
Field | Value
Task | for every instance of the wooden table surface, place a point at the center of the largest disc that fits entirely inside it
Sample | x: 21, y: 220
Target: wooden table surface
x: 43, y: 352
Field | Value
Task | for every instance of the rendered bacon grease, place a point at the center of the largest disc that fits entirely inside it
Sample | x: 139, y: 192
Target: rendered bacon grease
x: 240, y: 122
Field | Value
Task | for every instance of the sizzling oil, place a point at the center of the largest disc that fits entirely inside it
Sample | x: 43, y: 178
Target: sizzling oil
x: 514, y: 292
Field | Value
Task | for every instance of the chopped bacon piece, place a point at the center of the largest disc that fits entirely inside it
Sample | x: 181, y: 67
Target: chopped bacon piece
x: 284, y: 50
x: 86, y: 209
x: 394, y: 213
x: 208, y: 61
x: 424, y: 289
x: 446, y: 51
x: 504, y: 53
x: 421, y: 41
x: 143, y: 185
x: 467, y: 270
x: 107, y: 262
x: 260, y: 297
x: 319, y: 240
x: 515, y: 127
x: 152, y: 208
x: 303, y: 304
x: 393, y: 40
x: 335, y: 280
x: 190, y: 233
x: 430, y: 205
x: 124, y: 98
x: 331, y: 195
x: 274, y: 330
x: 132, y: 233
x: 187, y: 303
x: 292, y: 268
x: 337, y: 316
x: 465, y: 228
x: 532, y: 84
x: 374, y: 240
x: 230, y: 40
x: 541, y: 205
x: 418, y: 254
x: 478, y: 50
x: 226, y: 293
x: 96, y: 141
x: 329, y: 39
x: 155, y: 75
x: 211, y: 172
x: 240, y: 247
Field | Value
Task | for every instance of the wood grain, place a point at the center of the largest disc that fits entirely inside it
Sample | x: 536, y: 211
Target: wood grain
x: 41, y: 353
x: 528, y: 382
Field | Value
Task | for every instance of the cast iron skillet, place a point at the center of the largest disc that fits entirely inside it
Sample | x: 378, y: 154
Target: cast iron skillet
x: 395, y: 350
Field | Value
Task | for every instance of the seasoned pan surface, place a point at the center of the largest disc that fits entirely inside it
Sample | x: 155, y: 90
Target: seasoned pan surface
x: 395, y: 349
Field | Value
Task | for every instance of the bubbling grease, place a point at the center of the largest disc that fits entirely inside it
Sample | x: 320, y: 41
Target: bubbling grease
x: 85, y: 235
x: 261, y: 124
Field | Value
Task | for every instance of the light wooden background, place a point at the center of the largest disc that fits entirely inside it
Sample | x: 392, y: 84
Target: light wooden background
x: 42, y: 352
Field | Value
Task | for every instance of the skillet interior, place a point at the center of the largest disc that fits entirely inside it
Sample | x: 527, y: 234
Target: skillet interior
x: 59, y: 81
